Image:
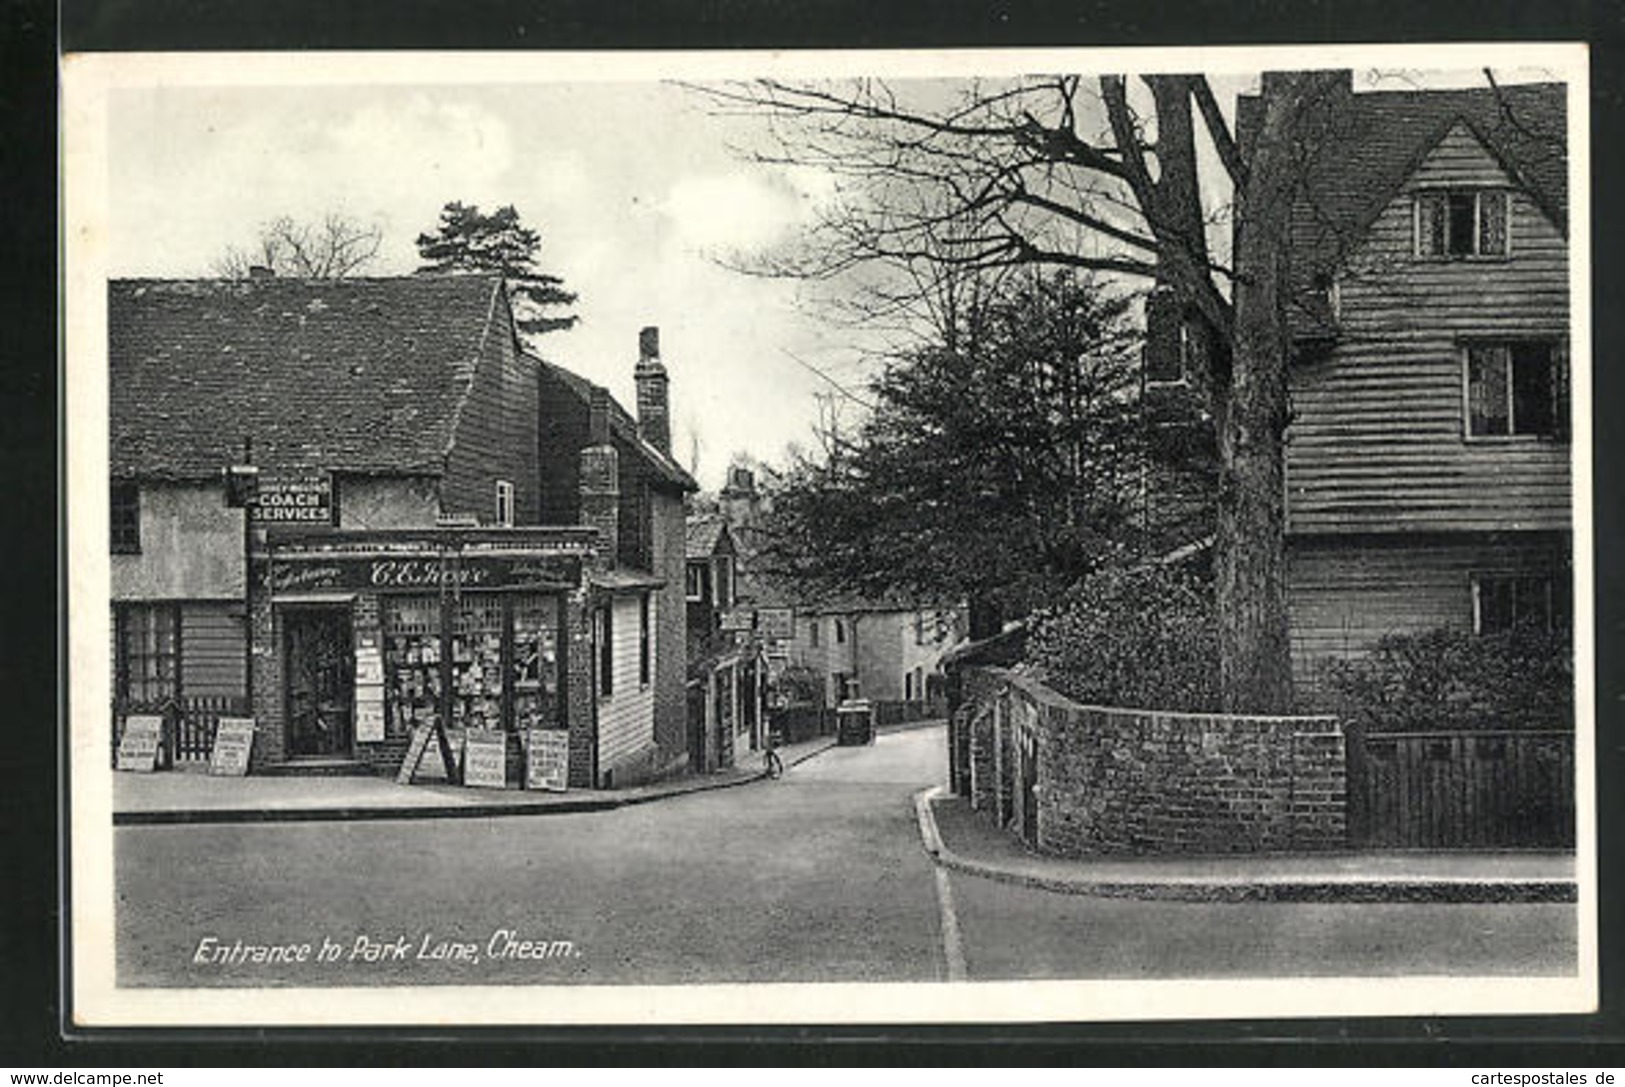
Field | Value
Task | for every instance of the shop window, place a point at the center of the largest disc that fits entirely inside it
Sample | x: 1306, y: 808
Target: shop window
x: 126, y: 518
x: 412, y: 650
x: 1516, y: 388
x: 476, y: 663
x: 1456, y: 223
x: 536, y: 701
x: 603, y: 636
x: 644, y: 644
x: 504, y: 667
x: 504, y: 502
x: 1503, y: 602
x: 147, y: 660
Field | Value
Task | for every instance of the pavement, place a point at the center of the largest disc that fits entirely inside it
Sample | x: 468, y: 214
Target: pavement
x: 188, y: 797
x: 956, y: 838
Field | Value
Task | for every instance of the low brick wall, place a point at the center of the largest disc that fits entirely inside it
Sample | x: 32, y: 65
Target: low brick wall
x: 1076, y: 780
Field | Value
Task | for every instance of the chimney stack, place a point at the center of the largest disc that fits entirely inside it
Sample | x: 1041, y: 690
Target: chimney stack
x: 599, y: 474
x: 654, y: 408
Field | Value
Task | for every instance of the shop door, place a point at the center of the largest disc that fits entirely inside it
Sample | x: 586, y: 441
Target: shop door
x: 319, y: 683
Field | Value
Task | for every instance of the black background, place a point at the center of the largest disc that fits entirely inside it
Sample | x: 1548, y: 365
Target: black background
x: 30, y: 414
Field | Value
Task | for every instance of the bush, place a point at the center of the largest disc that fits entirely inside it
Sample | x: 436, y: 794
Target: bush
x: 1452, y: 679
x: 1142, y: 638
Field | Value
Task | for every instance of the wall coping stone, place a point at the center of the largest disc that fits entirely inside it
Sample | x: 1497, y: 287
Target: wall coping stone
x: 1049, y: 696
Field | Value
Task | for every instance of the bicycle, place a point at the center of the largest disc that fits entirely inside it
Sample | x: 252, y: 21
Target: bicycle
x: 772, y: 765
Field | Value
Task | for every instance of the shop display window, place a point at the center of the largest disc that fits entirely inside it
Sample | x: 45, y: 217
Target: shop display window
x: 476, y: 669
x: 504, y: 664
x: 536, y: 662
x: 412, y: 662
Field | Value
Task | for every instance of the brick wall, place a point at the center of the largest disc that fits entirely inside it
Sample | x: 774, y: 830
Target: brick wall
x: 1136, y: 781
x: 265, y: 695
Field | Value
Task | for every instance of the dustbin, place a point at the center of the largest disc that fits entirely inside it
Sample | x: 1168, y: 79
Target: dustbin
x: 854, y: 722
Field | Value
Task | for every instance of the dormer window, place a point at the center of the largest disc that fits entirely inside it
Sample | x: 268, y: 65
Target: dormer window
x: 1452, y: 224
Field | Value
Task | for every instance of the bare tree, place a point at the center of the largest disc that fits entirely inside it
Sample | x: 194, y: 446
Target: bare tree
x: 335, y: 247
x: 1101, y: 175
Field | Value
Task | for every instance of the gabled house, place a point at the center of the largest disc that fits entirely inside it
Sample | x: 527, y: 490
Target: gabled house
x: 727, y: 671
x: 600, y: 465
x: 395, y: 567
x: 1428, y: 460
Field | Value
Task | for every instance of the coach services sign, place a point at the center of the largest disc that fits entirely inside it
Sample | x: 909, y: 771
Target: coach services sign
x: 304, y: 499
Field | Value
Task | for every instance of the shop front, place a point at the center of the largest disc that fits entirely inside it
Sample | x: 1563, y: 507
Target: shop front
x: 456, y: 634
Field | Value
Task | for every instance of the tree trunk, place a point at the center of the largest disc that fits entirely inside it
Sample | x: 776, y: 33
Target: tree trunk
x: 1255, y: 671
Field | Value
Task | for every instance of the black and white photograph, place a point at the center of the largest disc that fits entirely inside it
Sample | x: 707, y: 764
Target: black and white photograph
x: 1034, y: 535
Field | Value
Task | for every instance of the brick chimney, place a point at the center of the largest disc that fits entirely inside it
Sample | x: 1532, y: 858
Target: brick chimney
x: 654, y: 408
x: 600, y: 491
x: 739, y: 497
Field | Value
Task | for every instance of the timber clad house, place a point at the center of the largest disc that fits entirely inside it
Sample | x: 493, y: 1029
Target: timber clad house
x: 1427, y: 477
x: 445, y: 529
x: 1427, y: 466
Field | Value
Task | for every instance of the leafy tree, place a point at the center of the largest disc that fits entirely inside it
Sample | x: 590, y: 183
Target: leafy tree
x: 335, y: 247
x: 1002, y: 468
x: 468, y: 240
x: 1100, y: 175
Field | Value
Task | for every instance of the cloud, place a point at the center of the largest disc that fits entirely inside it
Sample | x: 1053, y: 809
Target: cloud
x: 740, y: 210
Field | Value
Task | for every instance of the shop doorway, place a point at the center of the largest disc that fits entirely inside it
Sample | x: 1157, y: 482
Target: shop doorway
x: 319, y: 682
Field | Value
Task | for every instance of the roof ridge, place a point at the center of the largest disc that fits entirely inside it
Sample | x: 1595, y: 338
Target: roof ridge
x: 450, y: 438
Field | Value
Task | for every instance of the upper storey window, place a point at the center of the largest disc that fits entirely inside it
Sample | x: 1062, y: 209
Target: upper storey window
x: 1516, y: 388
x: 1456, y: 223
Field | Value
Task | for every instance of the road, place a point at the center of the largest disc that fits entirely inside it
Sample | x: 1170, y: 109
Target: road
x: 817, y: 877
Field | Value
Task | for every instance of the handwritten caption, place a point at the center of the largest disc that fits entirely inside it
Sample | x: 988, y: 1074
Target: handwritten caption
x: 427, y: 948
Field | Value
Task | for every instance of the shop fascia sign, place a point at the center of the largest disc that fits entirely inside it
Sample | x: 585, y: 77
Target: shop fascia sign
x: 293, y: 498
x: 416, y: 573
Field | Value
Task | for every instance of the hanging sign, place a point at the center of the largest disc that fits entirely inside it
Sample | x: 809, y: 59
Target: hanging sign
x: 548, y: 766
x: 138, y: 746
x: 776, y: 623
x: 233, y: 743
x: 414, y: 754
x: 485, y: 760
x: 294, y: 499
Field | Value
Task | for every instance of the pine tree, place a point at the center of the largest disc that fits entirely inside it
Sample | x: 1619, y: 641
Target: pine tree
x: 468, y: 240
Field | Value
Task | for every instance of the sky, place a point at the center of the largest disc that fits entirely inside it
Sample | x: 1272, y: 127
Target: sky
x: 633, y: 187
x: 637, y: 188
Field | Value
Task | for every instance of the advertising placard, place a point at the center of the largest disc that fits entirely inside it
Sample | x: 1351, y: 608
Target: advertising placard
x: 138, y: 747
x: 233, y: 742
x: 304, y: 498
x: 485, y: 760
x: 548, y: 766
x: 369, y: 667
x: 414, y: 754
x: 369, y: 714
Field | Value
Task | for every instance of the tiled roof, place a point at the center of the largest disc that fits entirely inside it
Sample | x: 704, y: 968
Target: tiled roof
x: 363, y: 375
x: 624, y: 426
x: 703, y: 533
x: 1379, y: 138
